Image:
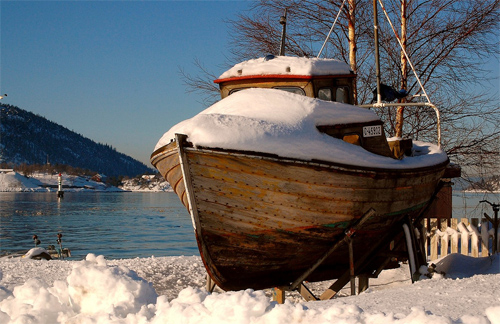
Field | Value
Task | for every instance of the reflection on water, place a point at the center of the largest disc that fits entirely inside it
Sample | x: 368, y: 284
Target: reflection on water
x: 116, y: 225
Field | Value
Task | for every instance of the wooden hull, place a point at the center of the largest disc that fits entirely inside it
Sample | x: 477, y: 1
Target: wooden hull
x: 262, y: 221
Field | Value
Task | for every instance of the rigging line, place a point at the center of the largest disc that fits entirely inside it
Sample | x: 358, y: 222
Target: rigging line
x: 404, y: 51
x: 331, y: 29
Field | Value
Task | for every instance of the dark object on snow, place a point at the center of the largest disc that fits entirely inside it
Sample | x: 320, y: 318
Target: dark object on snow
x: 37, y: 254
x: 388, y: 93
x: 36, y: 240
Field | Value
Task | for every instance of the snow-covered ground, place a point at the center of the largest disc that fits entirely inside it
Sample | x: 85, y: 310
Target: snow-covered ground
x: 40, y: 182
x: 146, y: 183
x: 171, y: 290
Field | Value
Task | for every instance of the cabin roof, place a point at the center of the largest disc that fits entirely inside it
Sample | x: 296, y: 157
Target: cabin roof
x: 286, y: 66
x: 282, y: 123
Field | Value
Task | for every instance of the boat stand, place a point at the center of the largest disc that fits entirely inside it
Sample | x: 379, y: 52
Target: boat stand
x: 370, y: 268
x: 366, y: 266
x: 298, y: 284
x: 368, y: 263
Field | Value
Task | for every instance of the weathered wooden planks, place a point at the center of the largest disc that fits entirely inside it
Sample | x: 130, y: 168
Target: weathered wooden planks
x: 264, y: 220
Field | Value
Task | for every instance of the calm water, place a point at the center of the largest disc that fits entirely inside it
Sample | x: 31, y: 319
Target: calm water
x: 126, y: 225
x: 116, y: 225
x: 467, y: 205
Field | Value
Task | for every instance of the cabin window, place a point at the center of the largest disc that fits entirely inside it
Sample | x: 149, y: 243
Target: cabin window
x: 236, y: 90
x: 325, y: 94
x: 341, y: 95
x: 352, y: 139
x: 295, y: 90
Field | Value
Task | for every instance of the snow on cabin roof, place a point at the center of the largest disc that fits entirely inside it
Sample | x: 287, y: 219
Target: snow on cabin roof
x: 278, y: 122
x: 287, y: 65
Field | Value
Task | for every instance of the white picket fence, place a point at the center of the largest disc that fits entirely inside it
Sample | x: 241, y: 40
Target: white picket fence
x: 445, y: 236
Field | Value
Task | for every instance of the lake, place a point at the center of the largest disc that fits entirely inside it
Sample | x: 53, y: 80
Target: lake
x: 126, y: 224
x: 467, y: 205
x: 116, y: 225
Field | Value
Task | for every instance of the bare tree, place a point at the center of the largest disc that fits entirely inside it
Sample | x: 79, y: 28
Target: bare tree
x: 202, y: 82
x: 446, y: 41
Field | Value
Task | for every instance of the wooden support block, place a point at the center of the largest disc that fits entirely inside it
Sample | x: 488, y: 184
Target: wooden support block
x: 306, y: 293
x: 335, y: 288
x: 363, y: 283
x: 279, y: 295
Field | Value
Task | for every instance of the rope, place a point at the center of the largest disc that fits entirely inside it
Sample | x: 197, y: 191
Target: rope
x: 331, y: 29
x: 404, y: 51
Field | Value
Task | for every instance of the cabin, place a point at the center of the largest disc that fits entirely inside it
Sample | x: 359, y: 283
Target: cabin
x: 325, y: 79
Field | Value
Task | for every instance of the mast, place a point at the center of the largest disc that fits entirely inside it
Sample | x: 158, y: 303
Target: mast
x: 404, y: 68
x: 377, y: 62
x: 283, y: 33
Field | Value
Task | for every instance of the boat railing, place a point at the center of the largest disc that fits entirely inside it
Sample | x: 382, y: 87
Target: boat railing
x: 411, y: 104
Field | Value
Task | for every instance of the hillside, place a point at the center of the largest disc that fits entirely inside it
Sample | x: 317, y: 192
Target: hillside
x: 11, y: 181
x: 32, y: 139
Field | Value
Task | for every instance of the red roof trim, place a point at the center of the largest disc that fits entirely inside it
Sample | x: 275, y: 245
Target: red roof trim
x: 283, y: 76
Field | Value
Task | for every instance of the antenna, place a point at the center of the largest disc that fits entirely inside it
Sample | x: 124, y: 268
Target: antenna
x: 377, y: 62
x: 283, y: 33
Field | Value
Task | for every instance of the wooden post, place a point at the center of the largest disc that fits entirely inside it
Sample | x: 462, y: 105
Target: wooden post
x: 306, y: 293
x: 474, y: 222
x: 434, y: 241
x: 363, y: 283
x: 279, y: 295
x: 464, y: 236
x: 351, y: 268
x: 485, y: 238
x: 426, y: 236
x: 444, y: 238
x: 454, y: 236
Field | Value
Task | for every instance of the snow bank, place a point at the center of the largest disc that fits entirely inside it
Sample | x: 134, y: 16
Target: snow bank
x: 42, y: 182
x: 99, y: 291
x: 146, y: 183
x: 287, y: 65
x: 282, y: 123
x: 13, y: 181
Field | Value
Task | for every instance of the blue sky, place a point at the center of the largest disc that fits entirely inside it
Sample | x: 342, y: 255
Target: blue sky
x: 109, y: 70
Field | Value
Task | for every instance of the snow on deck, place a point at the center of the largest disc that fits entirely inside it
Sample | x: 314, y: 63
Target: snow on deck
x: 283, y: 123
x: 286, y: 65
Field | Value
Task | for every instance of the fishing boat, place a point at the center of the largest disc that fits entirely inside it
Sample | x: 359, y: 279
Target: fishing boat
x: 287, y: 181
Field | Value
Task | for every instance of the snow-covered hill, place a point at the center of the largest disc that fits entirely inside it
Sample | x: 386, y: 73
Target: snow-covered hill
x: 32, y: 139
x: 38, y: 182
x: 11, y: 181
